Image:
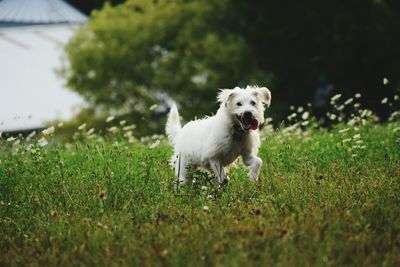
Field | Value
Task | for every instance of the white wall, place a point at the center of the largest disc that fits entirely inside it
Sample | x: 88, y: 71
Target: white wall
x: 31, y: 93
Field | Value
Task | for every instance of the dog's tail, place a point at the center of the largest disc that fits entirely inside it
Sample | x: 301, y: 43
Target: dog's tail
x: 173, y: 124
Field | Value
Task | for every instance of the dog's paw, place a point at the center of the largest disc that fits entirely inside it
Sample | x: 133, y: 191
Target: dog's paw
x: 253, y: 177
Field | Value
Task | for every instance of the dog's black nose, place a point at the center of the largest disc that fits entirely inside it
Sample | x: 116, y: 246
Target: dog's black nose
x: 247, y: 114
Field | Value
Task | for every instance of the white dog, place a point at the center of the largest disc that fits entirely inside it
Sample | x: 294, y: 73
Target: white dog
x: 214, y: 142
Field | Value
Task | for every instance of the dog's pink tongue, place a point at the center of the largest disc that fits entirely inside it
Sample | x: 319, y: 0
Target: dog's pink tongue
x: 254, y: 124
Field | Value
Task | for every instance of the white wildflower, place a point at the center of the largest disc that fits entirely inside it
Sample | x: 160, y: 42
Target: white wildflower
x: 110, y: 118
x: 292, y: 116
x: 203, y: 187
x: 305, y: 123
x: 363, y: 122
x: 340, y: 108
x: 155, y: 136
x: 129, y: 127
x: 384, y: 101
x: 352, y: 122
x: 30, y: 148
x: 291, y: 107
x: 346, y: 140
x: 332, y: 117
x: 358, y: 95
x: 10, y: 139
x: 128, y: 134
x: 17, y: 142
x: 357, y: 105
x: 154, y: 144
x: 31, y: 135
x: 396, y: 97
x: 363, y: 147
x: 385, y: 81
x: 305, y: 115
x: 396, y: 129
x: 344, y: 130
x: 206, y: 208
x: 394, y: 115
x: 122, y: 123
x: 366, y: 113
x: 82, y: 126
x: 112, y: 129
x: 336, y: 97
x: 153, y: 107
x: 61, y: 124
x: 48, y: 131
x: 43, y: 141
x: 356, y: 136
x: 348, y: 101
x: 300, y: 109
x: 290, y: 128
x: 90, y: 131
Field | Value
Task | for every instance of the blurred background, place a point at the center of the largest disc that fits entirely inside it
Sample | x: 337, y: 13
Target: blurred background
x: 82, y: 61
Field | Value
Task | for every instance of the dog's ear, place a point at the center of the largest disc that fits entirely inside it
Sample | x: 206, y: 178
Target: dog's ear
x: 225, y: 95
x: 265, y: 95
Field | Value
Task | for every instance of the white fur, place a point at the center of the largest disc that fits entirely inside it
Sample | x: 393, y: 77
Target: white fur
x: 211, y: 142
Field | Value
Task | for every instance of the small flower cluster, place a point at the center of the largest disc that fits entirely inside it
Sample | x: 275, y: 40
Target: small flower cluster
x: 152, y: 141
x: 352, y: 142
x: 118, y: 129
x: 300, y: 121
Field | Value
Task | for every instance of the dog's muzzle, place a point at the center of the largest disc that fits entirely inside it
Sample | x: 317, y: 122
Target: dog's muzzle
x: 248, y: 121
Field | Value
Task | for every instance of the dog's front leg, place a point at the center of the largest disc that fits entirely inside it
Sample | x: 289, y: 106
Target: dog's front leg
x: 255, y: 164
x: 219, y: 171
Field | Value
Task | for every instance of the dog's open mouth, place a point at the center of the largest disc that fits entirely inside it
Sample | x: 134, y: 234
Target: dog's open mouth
x: 248, y: 122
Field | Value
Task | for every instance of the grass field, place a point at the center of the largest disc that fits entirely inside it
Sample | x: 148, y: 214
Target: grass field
x: 324, y: 198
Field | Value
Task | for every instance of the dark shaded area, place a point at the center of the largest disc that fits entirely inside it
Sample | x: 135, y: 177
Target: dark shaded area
x: 88, y: 6
x: 348, y: 46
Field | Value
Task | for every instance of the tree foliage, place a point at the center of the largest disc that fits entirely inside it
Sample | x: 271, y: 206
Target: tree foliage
x: 128, y: 54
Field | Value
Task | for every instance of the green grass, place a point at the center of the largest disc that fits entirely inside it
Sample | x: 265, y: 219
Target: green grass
x: 319, y: 202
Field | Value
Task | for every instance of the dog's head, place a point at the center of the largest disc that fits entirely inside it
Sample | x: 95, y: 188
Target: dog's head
x: 246, y: 106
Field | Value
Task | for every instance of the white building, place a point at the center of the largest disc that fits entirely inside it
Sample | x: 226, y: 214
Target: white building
x: 32, y: 36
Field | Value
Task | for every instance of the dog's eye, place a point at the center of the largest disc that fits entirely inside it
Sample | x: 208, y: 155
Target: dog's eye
x: 239, y: 103
x: 252, y: 103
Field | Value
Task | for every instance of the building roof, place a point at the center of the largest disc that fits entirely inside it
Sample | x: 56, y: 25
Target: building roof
x: 34, y: 12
